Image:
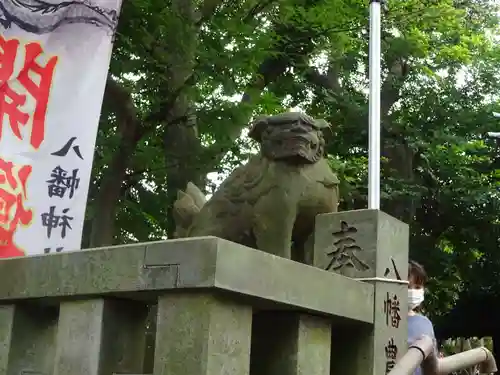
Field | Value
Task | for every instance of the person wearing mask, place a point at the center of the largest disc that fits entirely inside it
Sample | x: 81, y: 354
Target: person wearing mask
x: 418, y: 324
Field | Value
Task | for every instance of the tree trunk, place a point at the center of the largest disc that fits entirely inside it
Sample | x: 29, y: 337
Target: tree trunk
x: 183, y: 149
x: 103, y: 223
x: 399, y: 166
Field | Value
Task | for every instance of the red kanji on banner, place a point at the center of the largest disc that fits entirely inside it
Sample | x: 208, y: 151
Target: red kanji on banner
x: 38, y: 88
x: 8, y: 55
x: 13, y: 181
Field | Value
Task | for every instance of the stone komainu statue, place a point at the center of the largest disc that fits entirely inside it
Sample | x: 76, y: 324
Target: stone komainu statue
x: 271, y: 202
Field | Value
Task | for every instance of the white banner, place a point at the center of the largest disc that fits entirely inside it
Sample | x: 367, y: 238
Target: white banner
x: 54, y: 59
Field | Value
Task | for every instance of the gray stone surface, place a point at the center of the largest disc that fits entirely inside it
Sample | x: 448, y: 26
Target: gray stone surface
x: 374, y: 246
x: 6, y: 326
x: 200, y: 263
x: 361, y: 243
x: 124, y: 338
x: 127, y: 268
x: 290, y: 344
x: 32, y: 336
x: 388, y: 335
x: 274, y: 197
x: 288, y: 282
x: 201, y: 334
x: 99, y: 337
x: 361, y: 349
x: 352, y: 352
x: 79, y: 338
x: 209, y: 291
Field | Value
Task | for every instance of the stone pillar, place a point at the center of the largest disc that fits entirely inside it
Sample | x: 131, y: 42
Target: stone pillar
x: 27, y: 339
x: 371, y: 246
x: 288, y: 343
x: 6, y: 327
x: 202, y: 334
x: 100, y: 337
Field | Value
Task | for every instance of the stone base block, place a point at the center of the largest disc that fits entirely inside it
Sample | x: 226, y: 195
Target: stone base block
x: 362, y: 244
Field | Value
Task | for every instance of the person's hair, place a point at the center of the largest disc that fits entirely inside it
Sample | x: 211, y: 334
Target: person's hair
x: 417, y: 271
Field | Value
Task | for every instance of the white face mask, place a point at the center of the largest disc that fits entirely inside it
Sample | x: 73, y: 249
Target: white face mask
x: 415, y: 298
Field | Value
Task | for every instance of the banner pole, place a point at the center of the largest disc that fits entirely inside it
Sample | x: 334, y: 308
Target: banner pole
x: 374, y: 107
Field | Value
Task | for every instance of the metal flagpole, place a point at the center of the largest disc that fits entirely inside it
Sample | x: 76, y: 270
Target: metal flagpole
x: 374, y: 107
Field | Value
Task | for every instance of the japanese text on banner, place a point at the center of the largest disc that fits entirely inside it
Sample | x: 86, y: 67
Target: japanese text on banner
x: 53, y: 70
x: 23, y: 107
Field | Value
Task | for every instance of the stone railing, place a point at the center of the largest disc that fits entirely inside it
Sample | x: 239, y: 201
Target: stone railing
x: 222, y: 309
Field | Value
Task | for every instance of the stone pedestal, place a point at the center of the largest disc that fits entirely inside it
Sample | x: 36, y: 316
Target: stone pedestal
x: 83, y: 312
x: 201, y: 334
x: 370, y: 246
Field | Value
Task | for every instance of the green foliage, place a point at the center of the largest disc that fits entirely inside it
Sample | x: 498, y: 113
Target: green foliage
x: 441, y: 77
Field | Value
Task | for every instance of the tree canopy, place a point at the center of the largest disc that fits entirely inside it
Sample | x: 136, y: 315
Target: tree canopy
x: 187, y: 76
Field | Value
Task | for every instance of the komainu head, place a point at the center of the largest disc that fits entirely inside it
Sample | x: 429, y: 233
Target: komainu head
x: 293, y: 137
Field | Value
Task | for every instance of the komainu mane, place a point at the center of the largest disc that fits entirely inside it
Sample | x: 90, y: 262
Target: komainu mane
x: 271, y: 202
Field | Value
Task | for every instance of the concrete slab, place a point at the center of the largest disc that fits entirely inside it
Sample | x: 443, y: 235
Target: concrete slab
x: 193, y: 263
